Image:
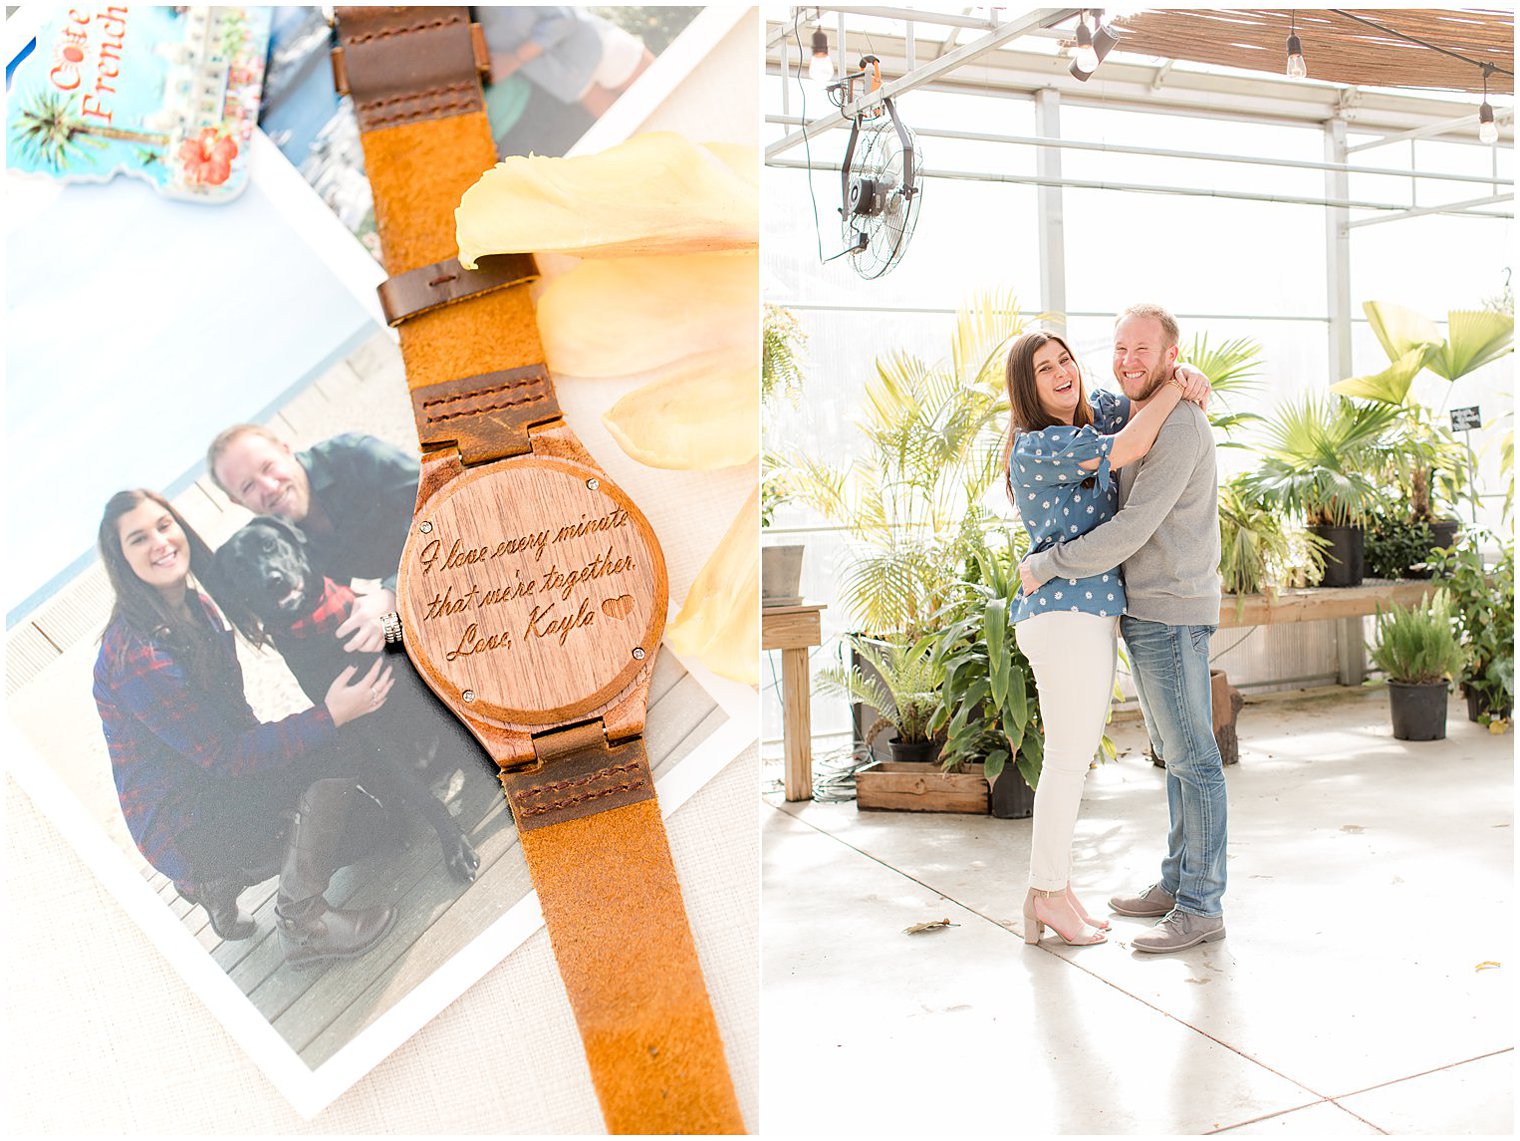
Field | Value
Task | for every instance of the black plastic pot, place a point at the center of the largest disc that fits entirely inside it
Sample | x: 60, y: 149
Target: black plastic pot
x: 1476, y: 704
x: 1444, y: 531
x: 1343, y: 558
x: 1419, y: 710
x: 917, y: 752
x: 1011, y: 798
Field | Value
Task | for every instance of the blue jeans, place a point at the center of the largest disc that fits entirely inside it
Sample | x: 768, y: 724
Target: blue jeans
x: 1170, y: 666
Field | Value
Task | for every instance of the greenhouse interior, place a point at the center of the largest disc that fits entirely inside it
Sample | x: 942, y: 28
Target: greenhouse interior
x: 1323, y: 200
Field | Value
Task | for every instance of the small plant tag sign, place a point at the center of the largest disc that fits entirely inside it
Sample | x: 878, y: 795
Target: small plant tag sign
x: 165, y: 94
x: 1463, y: 419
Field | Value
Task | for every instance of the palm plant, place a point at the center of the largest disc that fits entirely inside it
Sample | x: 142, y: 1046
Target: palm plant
x: 49, y: 130
x: 1232, y: 368
x: 904, y: 689
x: 933, y: 453
x: 1318, y: 456
x: 1413, y: 344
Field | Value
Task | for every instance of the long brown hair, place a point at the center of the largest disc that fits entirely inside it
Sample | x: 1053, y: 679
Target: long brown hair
x: 1025, y: 411
x: 144, y: 609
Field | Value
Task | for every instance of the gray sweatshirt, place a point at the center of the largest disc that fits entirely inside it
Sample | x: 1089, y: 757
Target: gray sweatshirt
x: 1166, y: 533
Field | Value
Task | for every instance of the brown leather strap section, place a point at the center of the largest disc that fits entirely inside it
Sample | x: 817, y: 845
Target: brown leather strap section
x: 445, y: 282
x: 605, y: 879
x: 580, y: 774
x: 405, y: 65
x: 628, y: 960
x: 418, y: 172
x: 486, y: 417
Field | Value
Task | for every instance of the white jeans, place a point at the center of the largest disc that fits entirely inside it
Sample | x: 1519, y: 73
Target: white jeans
x: 1074, y: 657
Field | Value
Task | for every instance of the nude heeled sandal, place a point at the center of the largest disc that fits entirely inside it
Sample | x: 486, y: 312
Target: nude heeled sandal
x: 1086, y: 935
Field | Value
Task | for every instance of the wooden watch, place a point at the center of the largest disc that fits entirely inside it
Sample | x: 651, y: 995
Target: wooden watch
x: 532, y: 592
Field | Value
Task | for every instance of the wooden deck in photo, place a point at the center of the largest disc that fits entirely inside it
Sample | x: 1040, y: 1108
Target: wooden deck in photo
x: 318, y: 1010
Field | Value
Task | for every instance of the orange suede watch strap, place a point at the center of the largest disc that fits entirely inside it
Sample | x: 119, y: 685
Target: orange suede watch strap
x: 604, y: 876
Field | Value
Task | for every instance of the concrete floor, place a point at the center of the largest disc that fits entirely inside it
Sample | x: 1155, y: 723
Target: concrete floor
x: 1369, y: 879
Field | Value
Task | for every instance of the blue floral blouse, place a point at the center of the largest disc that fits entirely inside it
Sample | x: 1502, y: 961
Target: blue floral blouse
x: 1056, y: 506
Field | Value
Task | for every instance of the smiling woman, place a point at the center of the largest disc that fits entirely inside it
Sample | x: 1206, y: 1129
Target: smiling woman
x: 204, y: 786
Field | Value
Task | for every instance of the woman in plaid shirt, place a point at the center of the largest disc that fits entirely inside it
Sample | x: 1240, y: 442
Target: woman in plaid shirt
x: 203, y: 784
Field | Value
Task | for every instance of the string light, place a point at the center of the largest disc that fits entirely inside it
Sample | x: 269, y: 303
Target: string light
x: 821, y: 69
x: 1296, y: 67
x: 1488, y: 130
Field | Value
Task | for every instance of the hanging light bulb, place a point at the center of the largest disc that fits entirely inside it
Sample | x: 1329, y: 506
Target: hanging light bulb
x: 821, y: 69
x: 1085, y: 59
x: 1296, y: 68
x: 1488, y: 130
x: 1103, y: 42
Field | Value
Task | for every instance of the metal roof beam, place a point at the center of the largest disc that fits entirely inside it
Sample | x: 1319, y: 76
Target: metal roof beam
x: 1157, y: 152
x: 943, y: 19
x: 1039, y: 17
x: 1183, y: 191
x: 1501, y: 115
x: 1463, y: 208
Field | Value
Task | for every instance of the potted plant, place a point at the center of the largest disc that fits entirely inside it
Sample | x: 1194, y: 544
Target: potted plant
x: 780, y: 379
x: 1483, y: 605
x: 1318, y: 454
x: 1399, y: 544
x: 903, y: 687
x: 1418, y: 650
x: 1258, y: 552
x: 988, y: 707
x: 932, y: 454
x: 1427, y: 456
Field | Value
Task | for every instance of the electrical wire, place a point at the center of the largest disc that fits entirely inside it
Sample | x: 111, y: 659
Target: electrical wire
x: 1215, y: 657
x: 807, y: 148
x: 1422, y: 43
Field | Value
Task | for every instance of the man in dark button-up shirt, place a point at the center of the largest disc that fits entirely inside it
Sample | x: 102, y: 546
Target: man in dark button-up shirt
x: 353, y: 496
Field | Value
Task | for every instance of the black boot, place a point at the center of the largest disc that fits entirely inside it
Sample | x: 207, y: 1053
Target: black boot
x: 310, y: 930
x: 220, y: 899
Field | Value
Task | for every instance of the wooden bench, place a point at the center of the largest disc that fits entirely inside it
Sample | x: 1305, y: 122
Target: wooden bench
x: 1347, y: 605
x: 792, y: 630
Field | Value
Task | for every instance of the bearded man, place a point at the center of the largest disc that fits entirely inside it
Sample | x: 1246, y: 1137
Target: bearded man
x: 1166, y: 538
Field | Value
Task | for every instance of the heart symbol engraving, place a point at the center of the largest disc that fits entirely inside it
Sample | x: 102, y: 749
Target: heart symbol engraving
x: 619, y: 607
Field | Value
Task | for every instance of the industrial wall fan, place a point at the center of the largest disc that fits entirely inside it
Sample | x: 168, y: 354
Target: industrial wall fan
x: 881, y: 182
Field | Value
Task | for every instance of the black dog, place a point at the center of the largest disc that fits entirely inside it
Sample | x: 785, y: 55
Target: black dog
x: 272, y: 593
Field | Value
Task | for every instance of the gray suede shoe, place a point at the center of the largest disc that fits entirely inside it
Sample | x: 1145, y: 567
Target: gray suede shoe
x: 1150, y: 903
x: 1179, y: 931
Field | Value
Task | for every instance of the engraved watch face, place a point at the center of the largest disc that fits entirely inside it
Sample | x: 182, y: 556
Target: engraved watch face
x: 531, y: 591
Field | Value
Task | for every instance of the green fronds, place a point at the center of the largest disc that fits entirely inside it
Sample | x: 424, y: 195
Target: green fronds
x: 783, y: 343
x: 1418, y: 645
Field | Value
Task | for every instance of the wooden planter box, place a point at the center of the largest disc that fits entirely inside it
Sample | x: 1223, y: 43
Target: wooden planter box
x: 903, y: 787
